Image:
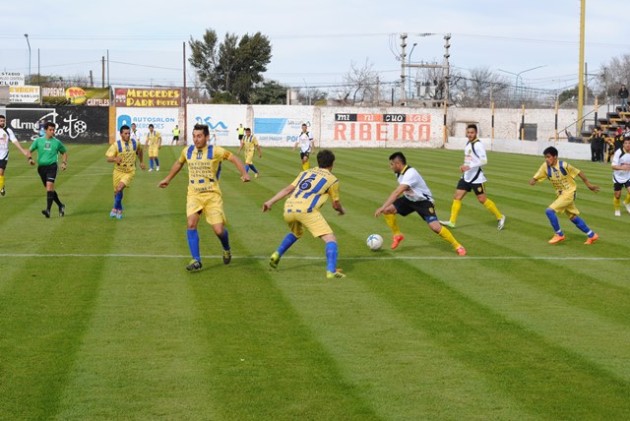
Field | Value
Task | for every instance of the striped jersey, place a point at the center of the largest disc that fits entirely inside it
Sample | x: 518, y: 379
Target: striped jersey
x: 312, y: 188
x: 203, y: 167
x: 418, y: 190
x: 619, y: 158
x: 305, y: 140
x: 475, y: 157
x: 127, y: 151
x: 561, y: 175
x: 249, y: 143
x: 6, y: 136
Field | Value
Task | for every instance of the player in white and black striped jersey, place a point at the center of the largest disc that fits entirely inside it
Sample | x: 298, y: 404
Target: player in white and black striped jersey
x: 621, y: 176
x: 6, y: 136
x: 412, y: 195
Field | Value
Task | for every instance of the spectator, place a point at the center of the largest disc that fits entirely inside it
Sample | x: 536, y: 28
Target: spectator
x: 597, y: 145
x: 623, y: 95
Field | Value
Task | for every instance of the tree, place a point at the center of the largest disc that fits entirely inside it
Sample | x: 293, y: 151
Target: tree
x: 269, y: 92
x: 312, y: 96
x: 230, y: 69
x: 614, y: 74
x: 480, y: 88
x: 361, y: 83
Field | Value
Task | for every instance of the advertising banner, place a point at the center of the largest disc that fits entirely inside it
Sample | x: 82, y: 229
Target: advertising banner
x: 75, y: 95
x: 24, y: 94
x: 11, y: 79
x: 145, y: 97
x: 374, y: 127
x: 74, y: 124
x: 222, y: 120
x: 164, y: 120
x: 280, y: 125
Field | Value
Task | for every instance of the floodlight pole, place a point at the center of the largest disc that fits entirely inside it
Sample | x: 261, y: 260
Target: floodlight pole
x: 29, y: 56
x: 580, y: 107
x: 409, y: 69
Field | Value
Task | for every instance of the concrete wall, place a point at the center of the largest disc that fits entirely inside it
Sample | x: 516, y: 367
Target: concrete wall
x: 565, y: 149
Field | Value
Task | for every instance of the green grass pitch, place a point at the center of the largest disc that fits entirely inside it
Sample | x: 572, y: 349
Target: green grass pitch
x: 100, y: 320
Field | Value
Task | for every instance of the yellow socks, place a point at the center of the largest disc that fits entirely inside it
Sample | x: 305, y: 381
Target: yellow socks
x: 446, y: 234
x: 306, y: 165
x: 489, y: 204
x: 617, y: 203
x: 1, y: 181
x: 455, y: 208
x: 392, y: 223
x: 627, y: 199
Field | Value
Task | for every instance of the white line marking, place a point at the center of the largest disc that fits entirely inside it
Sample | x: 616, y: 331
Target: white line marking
x: 375, y: 257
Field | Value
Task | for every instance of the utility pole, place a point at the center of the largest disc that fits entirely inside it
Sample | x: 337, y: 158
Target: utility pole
x: 403, y: 57
x: 28, y: 43
x: 447, y: 67
x: 580, y: 107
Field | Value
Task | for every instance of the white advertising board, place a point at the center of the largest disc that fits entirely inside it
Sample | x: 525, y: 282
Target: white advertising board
x: 24, y: 94
x: 222, y: 120
x: 163, y: 120
x: 280, y: 125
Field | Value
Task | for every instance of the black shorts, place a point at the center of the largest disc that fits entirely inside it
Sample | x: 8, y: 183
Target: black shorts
x: 620, y: 186
x: 478, y: 188
x: 48, y: 173
x: 304, y: 155
x: 175, y: 138
x: 3, y: 163
x: 424, y: 208
x: 241, y: 136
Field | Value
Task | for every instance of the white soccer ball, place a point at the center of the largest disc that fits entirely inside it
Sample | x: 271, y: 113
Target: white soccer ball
x: 374, y: 242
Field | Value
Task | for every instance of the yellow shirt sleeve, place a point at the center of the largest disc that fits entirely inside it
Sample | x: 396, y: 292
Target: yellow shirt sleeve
x: 112, y: 151
x: 333, y: 191
x: 182, y: 156
x: 541, y: 174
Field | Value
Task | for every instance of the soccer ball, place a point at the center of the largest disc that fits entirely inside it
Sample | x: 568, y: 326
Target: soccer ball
x: 374, y: 242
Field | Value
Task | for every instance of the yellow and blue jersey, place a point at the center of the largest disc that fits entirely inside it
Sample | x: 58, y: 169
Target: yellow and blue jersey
x: 249, y: 143
x: 312, y: 188
x: 561, y: 175
x: 204, y: 166
x: 154, y: 139
x: 127, y: 151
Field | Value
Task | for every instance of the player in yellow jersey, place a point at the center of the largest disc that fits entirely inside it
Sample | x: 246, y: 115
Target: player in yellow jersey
x: 123, y: 153
x: 249, y: 144
x: 204, y: 194
x: 154, y: 143
x: 307, y: 193
x: 561, y: 175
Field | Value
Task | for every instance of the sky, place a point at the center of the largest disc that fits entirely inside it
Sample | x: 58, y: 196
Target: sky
x: 315, y: 43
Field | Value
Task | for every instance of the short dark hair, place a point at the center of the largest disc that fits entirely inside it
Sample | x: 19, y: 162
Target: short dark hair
x: 399, y: 156
x: 247, y: 129
x: 49, y: 124
x: 472, y: 126
x: 124, y: 127
x: 203, y: 127
x: 151, y: 126
x: 325, y: 158
x: 550, y: 151
x: 2, y: 116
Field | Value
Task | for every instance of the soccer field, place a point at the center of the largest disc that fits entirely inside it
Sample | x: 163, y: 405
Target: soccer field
x: 100, y: 320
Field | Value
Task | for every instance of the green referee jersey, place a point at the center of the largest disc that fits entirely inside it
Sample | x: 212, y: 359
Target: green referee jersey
x: 47, y: 150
